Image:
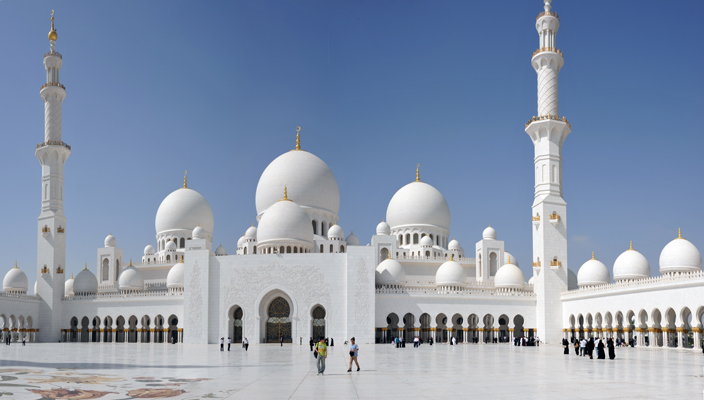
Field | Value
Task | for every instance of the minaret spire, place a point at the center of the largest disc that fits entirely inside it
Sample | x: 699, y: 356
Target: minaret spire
x: 52, y: 153
x: 548, y: 131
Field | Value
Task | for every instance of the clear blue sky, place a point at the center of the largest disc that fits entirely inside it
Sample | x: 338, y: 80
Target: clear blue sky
x: 217, y: 88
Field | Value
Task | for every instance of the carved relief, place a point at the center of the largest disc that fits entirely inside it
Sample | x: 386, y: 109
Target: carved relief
x: 361, y: 301
x: 195, y: 303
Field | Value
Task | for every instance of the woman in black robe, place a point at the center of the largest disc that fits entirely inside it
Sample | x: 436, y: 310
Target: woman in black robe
x: 602, y: 355
x: 612, y: 351
x: 590, y: 348
x: 566, y: 345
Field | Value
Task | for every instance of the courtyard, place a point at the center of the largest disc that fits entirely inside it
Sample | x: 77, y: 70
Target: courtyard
x: 497, y: 371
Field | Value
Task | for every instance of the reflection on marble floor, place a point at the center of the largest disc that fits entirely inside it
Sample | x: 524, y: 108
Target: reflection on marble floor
x: 136, y: 371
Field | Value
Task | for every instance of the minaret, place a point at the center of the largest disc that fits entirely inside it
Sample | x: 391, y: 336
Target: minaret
x: 51, y: 237
x: 548, y: 131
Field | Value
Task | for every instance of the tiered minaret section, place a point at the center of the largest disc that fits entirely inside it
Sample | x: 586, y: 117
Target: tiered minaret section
x: 51, y: 228
x: 548, y: 131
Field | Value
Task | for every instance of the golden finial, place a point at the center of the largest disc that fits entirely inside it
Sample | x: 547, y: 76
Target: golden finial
x: 16, y: 264
x: 509, y: 259
x: 418, y: 172
x: 52, y: 32
x: 252, y: 224
x: 285, y: 195
x: 631, y: 248
x: 298, y: 138
x: 185, y: 186
x: 389, y: 256
x: 86, y: 267
x: 181, y: 258
x: 679, y: 236
x: 593, y: 256
x: 71, y: 275
x: 130, y: 263
x: 452, y: 257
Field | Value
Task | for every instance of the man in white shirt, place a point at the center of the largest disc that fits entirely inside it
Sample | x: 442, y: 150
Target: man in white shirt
x: 582, y: 347
x: 222, y: 343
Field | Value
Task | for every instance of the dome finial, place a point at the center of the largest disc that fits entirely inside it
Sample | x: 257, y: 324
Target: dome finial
x: 16, y: 264
x: 52, y: 32
x: 593, y: 256
x: 185, y: 183
x: 130, y: 263
x: 418, y: 172
x: 86, y: 267
x: 389, y: 256
x: 679, y: 236
x: 631, y: 245
x: 182, y: 257
x: 285, y: 195
x: 71, y: 275
x: 509, y: 258
x: 547, y: 5
x: 298, y: 138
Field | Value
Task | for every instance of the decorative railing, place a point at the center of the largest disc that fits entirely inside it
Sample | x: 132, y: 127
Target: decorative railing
x: 16, y: 295
x: 150, y: 293
x: 548, y: 117
x: 154, y: 263
x: 154, y: 284
x: 107, y: 286
x: 537, y: 264
x: 550, y: 49
x: 677, y: 277
x: 461, y: 260
x: 457, y: 291
x: 53, y: 143
x: 555, y: 216
x: 555, y: 263
x: 60, y: 230
x: 536, y: 218
x: 57, y: 84
x: 53, y: 53
x: 547, y: 13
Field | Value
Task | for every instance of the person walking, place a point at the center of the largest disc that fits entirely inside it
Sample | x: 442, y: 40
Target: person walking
x: 245, y: 344
x: 229, y: 342
x: 576, y: 347
x: 24, y: 340
x: 322, y: 350
x: 601, y: 355
x: 222, y: 343
x: 612, y: 351
x: 282, y: 341
x: 590, y: 348
x: 354, y: 351
x: 311, y: 343
x: 583, y: 347
x: 566, y: 345
x: 301, y: 340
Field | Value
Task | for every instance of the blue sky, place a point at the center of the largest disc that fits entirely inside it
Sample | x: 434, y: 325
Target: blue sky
x: 218, y: 88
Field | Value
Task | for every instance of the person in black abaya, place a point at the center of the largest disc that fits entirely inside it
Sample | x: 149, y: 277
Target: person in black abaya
x: 590, y: 348
x: 612, y: 351
x: 602, y: 355
x: 566, y: 345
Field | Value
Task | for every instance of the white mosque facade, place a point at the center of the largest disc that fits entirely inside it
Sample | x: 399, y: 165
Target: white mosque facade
x: 296, y: 274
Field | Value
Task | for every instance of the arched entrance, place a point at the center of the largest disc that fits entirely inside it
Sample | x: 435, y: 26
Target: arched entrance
x: 318, y: 328
x: 278, y: 323
x: 237, y: 328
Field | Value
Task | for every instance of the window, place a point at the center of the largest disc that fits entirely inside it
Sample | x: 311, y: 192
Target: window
x: 342, y: 249
x: 245, y: 250
x: 415, y: 238
x: 295, y: 250
x: 183, y: 243
x: 315, y: 227
x: 281, y: 250
x: 106, y: 272
x: 400, y: 240
x: 408, y: 238
x: 254, y: 249
x: 321, y: 248
x: 288, y: 249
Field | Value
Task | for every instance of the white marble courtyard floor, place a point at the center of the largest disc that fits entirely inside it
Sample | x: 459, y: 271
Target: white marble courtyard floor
x: 127, y: 371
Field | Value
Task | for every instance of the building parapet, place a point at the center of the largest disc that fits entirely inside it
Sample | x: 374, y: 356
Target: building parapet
x: 457, y: 291
x: 134, y: 294
x: 629, y: 285
x: 461, y: 260
x: 15, y: 295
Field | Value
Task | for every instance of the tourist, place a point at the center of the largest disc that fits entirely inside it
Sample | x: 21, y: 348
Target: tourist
x: 24, y: 340
x: 300, y: 339
x: 246, y: 344
x: 583, y: 347
x: 601, y: 355
x: 565, y: 344
x: 354, y: 351
x: 590, y: 348
x: 430, y: 340
x: 596, y: 346
x: 537, y: 340
x: 332, y: 342
x: 282, y: 341
x: 576, y: 347
x: 311, y: 343
x: 322, y: 349
x: 229, y: 342
x: 612, y: 351
x: 222, y: 343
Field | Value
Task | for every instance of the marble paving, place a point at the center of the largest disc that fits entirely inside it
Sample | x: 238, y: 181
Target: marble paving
x: 495, y: 371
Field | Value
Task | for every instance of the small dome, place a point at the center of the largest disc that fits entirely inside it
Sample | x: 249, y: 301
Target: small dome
x: 184, y: 209
x: 85, y: 283
x: 489, y: 233
x: 418, y: 204
x: 454, y: 245
x: 426, y: 241
x: 131, y: 279
x: 171, y: 245
x: 531, y: 281
x: 680, y: 256
x: 220, y: 251
x: 15, y: 281
x: 631, y: 265
x: 149, y: 250
x: 110, y: 241
x: 336, y: 232
x: 285, y: 221
x: 593, y: 272
x: 451, y: 273
x: 352, y: 240
x: 383, y: 228
x: 241, y: 241
x: 251, y: 233
x: 509, y: 276
x: 510, y: 259
x: 199, y: 233
x: 572, y: 282
x: 174, y: 280
x: 390, y: 272
x: 68, y: 286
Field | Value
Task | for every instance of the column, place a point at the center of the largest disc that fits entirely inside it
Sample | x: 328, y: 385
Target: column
x: 680, y: 330
x: 433, y: 332
x: 139, y: 335
x: 383, y: 335
x: 466, y: 335
x: 697, y: 338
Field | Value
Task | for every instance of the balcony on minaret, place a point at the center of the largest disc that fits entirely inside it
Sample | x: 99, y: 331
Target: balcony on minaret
x: 547, y: 13
x: 60, y: 230
x: 45, y: 270
x: 46, y: 231
x: 53, y: 143
x: 536, y: 221
x: 555, y: 263
x: 548, y: 117
x: 59, y: 270
x: 543, y: 49
x: 555, y: 218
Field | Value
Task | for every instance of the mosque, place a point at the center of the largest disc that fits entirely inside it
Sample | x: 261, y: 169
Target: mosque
x: 296, y: 274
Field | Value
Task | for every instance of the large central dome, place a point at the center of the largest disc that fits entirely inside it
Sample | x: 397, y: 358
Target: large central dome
x: 418, y: 204
x: 310, y: 183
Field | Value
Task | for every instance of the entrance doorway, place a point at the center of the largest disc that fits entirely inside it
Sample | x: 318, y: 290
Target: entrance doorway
x: 278, y: 323
x: 318, y: 323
